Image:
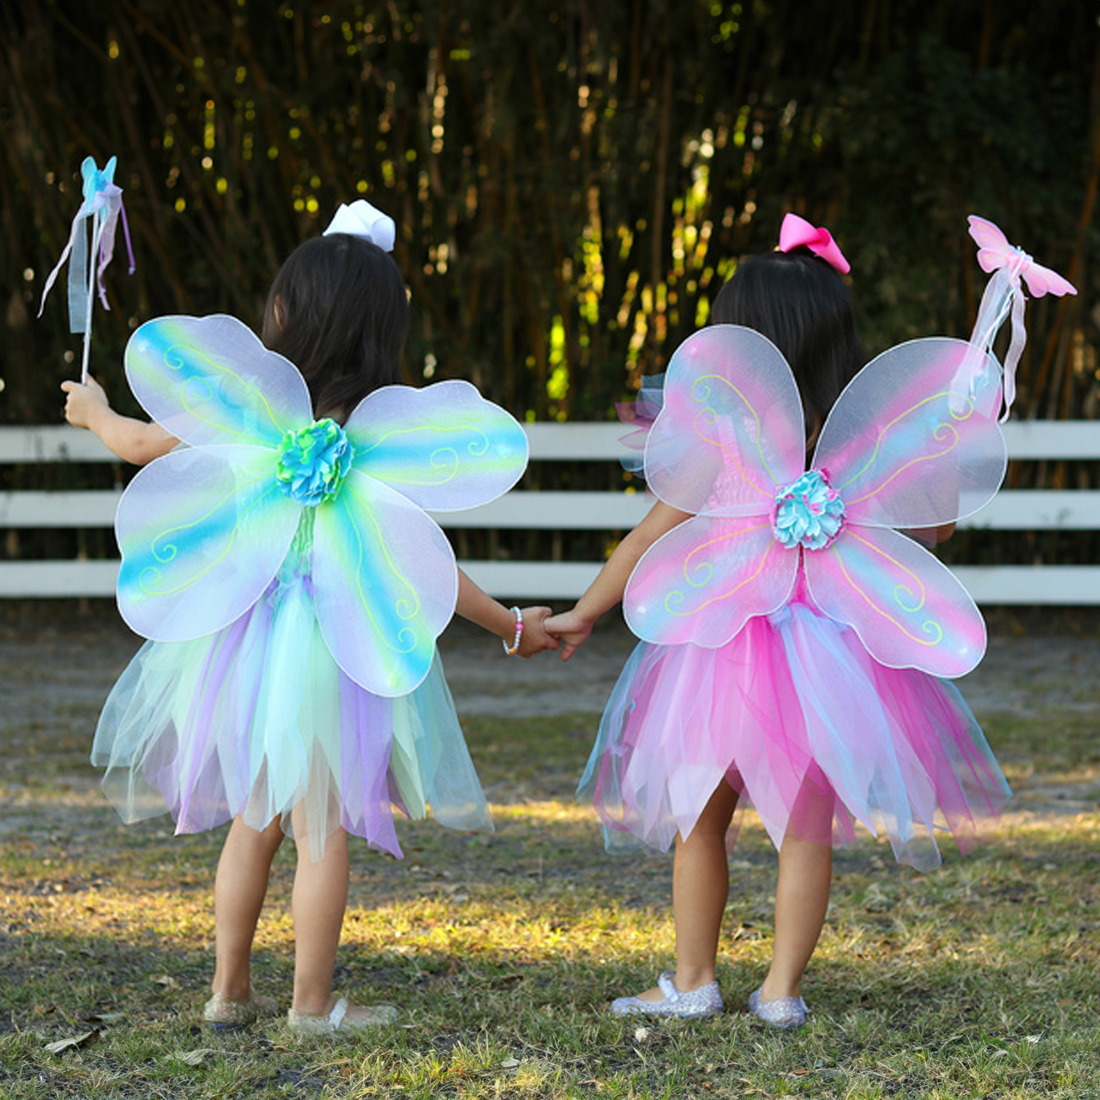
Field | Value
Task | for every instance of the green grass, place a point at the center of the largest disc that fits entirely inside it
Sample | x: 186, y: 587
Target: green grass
x: 978, y: 980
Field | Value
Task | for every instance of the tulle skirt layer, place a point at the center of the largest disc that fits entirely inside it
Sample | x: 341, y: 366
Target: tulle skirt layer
x: 810, y: 730
x: 258, y: 720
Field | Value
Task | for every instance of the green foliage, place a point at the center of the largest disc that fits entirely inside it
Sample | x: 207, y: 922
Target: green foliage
x: 572, y: 181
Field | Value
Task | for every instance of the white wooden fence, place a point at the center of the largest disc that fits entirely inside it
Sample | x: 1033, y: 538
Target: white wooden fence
x: 1029, y: 509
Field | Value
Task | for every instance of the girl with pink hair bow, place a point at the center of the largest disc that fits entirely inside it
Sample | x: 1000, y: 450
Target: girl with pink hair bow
x: 797, y: 639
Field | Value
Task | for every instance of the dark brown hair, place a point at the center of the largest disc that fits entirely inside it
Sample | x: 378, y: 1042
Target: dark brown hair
x: 339, y: 311
x: 800, y: 303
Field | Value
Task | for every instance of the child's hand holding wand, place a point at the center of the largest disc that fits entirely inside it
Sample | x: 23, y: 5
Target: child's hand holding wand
x: 135, y: 441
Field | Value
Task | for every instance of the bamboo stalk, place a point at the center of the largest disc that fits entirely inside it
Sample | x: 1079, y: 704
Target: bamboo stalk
x: 1084, y: 221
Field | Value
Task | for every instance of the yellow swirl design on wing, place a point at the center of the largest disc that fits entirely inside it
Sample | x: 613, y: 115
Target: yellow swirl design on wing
x: 700, y: 393
x: 932, y: 629
x: 941, y: 431
x: 443, y: 458
x: 704, y: 572
x: 150, y: 575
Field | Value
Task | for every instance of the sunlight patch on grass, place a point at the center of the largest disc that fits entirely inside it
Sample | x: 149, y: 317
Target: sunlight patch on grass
x: 547, y: 813
x: 502, y: 951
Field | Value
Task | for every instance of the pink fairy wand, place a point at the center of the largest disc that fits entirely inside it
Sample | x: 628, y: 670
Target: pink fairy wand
x: 103, y: 205
x: 1011, y: 268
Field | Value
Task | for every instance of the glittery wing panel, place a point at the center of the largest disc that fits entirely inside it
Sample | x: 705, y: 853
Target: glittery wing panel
x: 443, y: 446
x: 901, y: 451
x: 202, y: 533
x: 384, y: 585
x: 731, y: 427
x: 907, y: 608
x: 209, y: 380
x: 701, y: 581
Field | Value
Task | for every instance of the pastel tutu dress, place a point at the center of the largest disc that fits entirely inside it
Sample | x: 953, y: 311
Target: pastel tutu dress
x: 812, y: 732
x: 258, y: 717
x: 292, y: 588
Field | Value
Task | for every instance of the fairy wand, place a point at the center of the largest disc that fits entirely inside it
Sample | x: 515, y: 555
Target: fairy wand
x: 103, y: 206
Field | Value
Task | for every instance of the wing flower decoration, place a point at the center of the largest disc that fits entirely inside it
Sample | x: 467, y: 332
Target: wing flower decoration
x: 205, y: 529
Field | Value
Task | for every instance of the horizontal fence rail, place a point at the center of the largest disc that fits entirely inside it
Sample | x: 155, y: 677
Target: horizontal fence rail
x: 573, y: 510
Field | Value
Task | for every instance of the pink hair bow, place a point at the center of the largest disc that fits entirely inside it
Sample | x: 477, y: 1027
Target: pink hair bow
x: 796, y: 232
x: 1004, y: 295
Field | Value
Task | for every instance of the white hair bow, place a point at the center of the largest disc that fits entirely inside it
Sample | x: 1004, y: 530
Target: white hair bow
x: 360, y: 219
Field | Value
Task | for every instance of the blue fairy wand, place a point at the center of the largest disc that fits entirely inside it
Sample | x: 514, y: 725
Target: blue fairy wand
x: 102, y: 206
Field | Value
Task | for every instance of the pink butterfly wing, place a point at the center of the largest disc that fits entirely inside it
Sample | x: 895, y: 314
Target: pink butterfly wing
x: 903, y: 450
x: 907, y: 608
x: 731, y: 426
x: 701, y: 581
x: 994, y: 251
x: 993, y: 246
x: 1041, y: 280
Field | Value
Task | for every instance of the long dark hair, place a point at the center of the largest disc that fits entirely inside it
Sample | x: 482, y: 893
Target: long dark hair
x: 338, y: 310
x: 800, y: 303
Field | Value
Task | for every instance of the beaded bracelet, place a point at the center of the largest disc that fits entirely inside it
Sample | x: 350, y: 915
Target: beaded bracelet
x: 519, y: 634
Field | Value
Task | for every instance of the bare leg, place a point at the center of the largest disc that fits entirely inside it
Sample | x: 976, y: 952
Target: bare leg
x: 700, y: 888
x: 801, y: 901
x: 318, y: 903
x: 239, y: 890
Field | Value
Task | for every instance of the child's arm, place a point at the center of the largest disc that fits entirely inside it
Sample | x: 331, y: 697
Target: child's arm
x: 479, y: 607
x: 931, y: 536
x: 573, y: 627
x: 132, y: 440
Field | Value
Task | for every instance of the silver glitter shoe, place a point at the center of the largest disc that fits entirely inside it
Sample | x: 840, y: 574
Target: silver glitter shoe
x: 695, y: 1005
x: 786, y: 1013
x: 366, y: 1017
x: 222, y: 1014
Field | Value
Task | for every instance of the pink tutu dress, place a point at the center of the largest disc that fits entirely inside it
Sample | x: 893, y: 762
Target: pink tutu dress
x: 812, y: 732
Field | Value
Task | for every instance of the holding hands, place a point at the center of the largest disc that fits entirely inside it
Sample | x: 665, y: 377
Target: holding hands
x: 570, y: 628
x: 534, y: 637
x: 573, y: 627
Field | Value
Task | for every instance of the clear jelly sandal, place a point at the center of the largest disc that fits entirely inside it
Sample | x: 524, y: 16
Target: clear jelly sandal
x: 222, y: 1014
x: 696, y: 1004
x: 343, y: 1017
x: 786, y: 1013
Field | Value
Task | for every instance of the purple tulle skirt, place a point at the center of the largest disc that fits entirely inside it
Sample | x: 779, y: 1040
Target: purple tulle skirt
x: 807, y: 727
x: 258, y: 720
